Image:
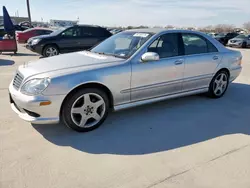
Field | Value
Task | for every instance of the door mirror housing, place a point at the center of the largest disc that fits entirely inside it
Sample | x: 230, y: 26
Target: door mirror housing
x: 150, y: 56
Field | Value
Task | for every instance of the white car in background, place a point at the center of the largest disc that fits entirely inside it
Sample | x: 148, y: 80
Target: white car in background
x: 240, y: 41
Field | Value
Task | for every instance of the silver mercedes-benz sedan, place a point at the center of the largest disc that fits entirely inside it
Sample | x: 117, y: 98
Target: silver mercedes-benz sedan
x: 131, y: 68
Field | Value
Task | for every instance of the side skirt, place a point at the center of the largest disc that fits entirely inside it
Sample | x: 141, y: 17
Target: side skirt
x: 152, y: 100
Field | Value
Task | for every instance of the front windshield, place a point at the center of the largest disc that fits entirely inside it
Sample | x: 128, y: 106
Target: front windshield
x: 241, y: 36
x: 123, y: 44
x: 56, y: 32
x: 220, y: 35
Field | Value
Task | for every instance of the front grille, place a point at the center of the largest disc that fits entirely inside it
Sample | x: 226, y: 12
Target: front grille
x: 18, y: 79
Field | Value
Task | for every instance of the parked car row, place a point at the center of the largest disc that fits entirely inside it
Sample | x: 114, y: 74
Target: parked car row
x: 232, y: 39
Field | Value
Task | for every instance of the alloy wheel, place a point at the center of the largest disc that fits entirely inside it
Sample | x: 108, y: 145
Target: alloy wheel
x: 220, y: 84
x: 88, y: 110
x: 51, y: 51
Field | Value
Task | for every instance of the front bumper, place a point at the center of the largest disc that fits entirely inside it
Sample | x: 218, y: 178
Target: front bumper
x: 28, y: 107
x: 234, y: 44
x: 35, y: 48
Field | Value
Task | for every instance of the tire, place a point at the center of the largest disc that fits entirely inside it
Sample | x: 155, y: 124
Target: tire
x: 79, y: 109
x: 244, y: 45
x: 50, y: 50
x: 217, y: 81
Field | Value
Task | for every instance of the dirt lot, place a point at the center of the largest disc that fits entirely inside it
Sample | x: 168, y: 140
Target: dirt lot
x: 189, y: 142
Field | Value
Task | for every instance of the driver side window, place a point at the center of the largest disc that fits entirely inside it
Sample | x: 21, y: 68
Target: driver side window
x: 72, y: 32
x: 166, y: 45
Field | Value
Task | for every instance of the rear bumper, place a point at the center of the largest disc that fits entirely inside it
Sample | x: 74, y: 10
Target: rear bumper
x: 234, y: 73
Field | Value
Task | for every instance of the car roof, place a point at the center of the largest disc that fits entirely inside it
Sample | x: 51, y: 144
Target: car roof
x: 86, y: 25
x: 163, y: 30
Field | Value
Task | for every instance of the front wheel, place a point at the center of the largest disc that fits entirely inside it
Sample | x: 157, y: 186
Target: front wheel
x: 50, y: 50
x: 244, y: 45
x: 85, y: 110
x: 219, y: 85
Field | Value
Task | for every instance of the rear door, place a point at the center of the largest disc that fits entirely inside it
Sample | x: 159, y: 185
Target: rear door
x: 92, y: 36
x: 70, y: 40
x: 201, y: 60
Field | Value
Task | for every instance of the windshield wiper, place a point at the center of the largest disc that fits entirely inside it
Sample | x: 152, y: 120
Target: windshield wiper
x: 114, y: 55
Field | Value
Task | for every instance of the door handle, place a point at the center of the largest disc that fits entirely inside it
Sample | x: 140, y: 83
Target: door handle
x: 178, y: 62
x: 215, y: 57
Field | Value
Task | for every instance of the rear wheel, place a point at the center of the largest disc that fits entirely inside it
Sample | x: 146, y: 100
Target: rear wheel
x: 219, y: 84
x: 50, y: 50
x: 85, y: 110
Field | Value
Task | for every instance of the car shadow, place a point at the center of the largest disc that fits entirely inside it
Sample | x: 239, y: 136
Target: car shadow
x: 24, y: 54
x: 6, y: 62
x: 162, y: 126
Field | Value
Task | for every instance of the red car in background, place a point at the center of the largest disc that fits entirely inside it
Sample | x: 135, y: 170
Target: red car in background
x: 23, y: 37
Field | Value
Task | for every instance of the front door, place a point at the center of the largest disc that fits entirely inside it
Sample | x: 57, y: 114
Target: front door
x: 70, y: 40
x: 162, y: 77
x: 201, y: 60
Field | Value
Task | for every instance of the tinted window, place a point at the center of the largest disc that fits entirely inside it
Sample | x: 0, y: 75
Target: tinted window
x: 43, y: 32
x: 72, y: 32
x: 95, y: 32
x: 211, y: 47
x: 47, y: 32
x: 194, y: 44
x: 165, y: 46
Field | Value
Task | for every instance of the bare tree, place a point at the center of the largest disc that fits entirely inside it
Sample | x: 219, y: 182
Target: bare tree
x: 247, y: 25
x: 169, y: 27
x: 222, y: 28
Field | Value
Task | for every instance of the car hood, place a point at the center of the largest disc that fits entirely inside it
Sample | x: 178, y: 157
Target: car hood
x: 76, y: 61
x: 237, y: 39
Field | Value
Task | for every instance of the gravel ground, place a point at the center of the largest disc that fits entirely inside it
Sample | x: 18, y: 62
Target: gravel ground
x: 188, y: 142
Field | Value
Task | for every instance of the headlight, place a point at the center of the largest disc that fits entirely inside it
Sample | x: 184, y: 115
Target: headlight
x: 35, y: 86
x: 35, y: 41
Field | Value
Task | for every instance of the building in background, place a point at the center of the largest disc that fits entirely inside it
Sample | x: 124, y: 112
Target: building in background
x: 62, y: 23
x: 15, y: 20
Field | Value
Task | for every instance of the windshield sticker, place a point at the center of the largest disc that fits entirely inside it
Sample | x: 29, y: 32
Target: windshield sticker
x: 96, y: 56
x: 143, y: 35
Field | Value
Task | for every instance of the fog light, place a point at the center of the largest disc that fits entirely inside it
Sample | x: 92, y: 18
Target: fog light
x: 45, y: 103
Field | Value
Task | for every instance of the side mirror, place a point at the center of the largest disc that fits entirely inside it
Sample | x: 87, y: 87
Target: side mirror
x: 63, y: 34
x: 150, y: 56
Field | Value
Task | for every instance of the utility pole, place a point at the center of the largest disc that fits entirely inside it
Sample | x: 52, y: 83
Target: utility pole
x: 28, y: 8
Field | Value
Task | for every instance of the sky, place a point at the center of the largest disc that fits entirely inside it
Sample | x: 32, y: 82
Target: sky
x: 182, y: 13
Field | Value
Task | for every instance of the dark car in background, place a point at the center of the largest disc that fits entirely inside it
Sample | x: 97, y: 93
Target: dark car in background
x: 223, y: 39
x: 71, y: 39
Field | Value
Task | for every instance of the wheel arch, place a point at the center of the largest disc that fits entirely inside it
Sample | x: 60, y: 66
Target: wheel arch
x: 224, y: 69
x: 90, y: 85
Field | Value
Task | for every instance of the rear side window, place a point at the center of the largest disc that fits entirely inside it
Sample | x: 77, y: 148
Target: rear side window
x: 166, y: 45
x: 95, y: 32
x: 43, y: 32
x: 195, y: 44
